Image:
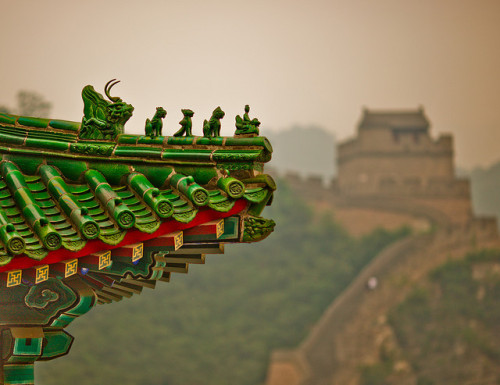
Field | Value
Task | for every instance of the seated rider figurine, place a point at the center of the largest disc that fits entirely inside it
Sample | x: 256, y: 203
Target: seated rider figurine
x: 246, y: 126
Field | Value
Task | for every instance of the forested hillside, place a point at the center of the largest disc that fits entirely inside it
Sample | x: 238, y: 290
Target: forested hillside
x: 219, y: 324
x: 447, y: 330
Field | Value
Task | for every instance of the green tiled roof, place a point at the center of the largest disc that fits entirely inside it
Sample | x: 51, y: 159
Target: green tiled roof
x: 58, y: 191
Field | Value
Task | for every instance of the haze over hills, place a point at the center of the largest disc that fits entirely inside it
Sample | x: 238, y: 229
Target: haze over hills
x: 307, y: 150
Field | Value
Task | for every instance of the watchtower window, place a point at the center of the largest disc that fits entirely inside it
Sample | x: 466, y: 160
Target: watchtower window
x: 387, y: 183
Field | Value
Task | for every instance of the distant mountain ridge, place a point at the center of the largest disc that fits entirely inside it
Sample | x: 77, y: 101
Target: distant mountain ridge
x: 307, y: 150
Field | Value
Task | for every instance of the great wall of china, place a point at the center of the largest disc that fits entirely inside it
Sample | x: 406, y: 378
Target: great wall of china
x: 392, y: 174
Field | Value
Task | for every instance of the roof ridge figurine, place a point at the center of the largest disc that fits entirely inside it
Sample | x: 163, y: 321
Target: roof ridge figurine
x: 186, y: 123
x: 247, y: 126
x: 154, y: 126
x: 211, y: 128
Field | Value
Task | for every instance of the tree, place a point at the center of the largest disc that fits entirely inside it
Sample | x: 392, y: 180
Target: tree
x: 29, y: 103
x: 5, y: 109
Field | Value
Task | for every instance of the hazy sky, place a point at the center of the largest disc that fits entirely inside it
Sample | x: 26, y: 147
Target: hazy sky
x: 306, y: 62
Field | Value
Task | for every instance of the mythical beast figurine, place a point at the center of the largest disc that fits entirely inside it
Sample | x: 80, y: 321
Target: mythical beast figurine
x: 154, y: 126
x: 102, y: 119
x: 211, y: 128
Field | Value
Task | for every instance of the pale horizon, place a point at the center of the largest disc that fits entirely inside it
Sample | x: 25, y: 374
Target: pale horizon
x: 317, y: 63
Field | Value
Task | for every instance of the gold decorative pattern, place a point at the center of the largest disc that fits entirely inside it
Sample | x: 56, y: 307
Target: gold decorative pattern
x: 219, y: 228
x: 104, y: 260
x: 137, y: 252
x: 14, y: 278
x: 41, y: 274
x: 70, y: 268
x: 178, y: 240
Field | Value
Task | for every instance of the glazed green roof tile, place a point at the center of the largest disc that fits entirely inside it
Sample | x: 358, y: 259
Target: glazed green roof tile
x: 39, y: 206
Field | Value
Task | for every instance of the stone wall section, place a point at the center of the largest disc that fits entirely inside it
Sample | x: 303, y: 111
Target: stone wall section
x: 352, y: 330
x: 393, y: 173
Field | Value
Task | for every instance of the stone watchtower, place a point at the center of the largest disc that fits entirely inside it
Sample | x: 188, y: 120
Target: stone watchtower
x: 394, y: 153
x: 394, y: 162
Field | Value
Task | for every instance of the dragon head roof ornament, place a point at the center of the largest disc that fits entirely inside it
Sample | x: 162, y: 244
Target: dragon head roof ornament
x: 103, y: 120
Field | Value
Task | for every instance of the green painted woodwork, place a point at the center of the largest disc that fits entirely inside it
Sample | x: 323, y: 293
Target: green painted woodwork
x: 86, y: 298
x: 142, y: 269
x: 57, y: 344
x: 231, y: 229
x: 21, y: 347
x: 26, y: 348
x: 63, y: 320
x: 35, y: 305
x: 18, y: 374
